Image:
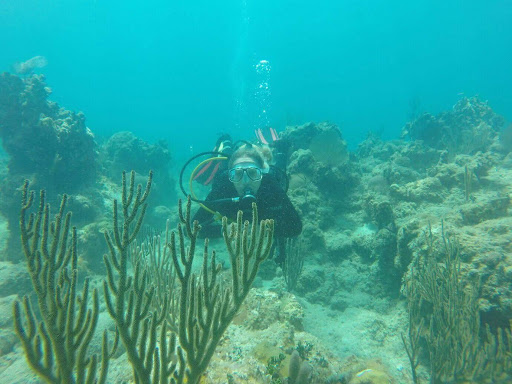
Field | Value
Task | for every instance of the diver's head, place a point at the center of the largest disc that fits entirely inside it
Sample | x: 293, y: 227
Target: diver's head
x: 246, y: 168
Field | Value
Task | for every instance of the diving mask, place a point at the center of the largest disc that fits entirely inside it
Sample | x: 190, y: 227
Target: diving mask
x: 236, y: 174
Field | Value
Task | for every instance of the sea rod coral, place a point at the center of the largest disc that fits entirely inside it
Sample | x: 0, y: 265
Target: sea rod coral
x: 205, y: 308
x: 161, y: 347
x: 56, y: 346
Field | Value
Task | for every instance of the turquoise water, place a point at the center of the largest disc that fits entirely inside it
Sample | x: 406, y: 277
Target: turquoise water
x: 185, y: 71
x: 374, y: 222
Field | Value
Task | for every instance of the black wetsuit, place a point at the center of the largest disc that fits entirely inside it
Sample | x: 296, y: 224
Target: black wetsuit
x: 271, y: 200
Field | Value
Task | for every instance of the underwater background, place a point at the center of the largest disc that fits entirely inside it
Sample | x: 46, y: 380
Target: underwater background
x: 160, y: 69
x: 397, y: 122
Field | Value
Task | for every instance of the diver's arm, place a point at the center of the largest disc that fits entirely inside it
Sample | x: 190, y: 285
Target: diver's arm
x: 287, y: 221
x: 210, y: 226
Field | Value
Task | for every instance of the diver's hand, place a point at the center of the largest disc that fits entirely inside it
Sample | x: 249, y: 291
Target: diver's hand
x: 226, y: 147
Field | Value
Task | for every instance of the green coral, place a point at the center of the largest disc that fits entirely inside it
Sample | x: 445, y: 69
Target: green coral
x: 56, y: 345
x: 128, y: 302
x: 274, y: 364
x: 304, y: 349
x: 204, y: 307
x: 169, y: 336
x: 444, y: 318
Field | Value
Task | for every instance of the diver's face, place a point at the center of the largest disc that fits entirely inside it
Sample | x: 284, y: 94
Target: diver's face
x: 245, y: 175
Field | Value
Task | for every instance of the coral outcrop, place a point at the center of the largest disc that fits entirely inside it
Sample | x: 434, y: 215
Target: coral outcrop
x: 453, y: 169
x: 365, y: 217
x: 123, y: 151
x: 45, y: 143
x: 319, y: 156
x: 42, y: 139
x: 53, y: 148
x: 470, y: 127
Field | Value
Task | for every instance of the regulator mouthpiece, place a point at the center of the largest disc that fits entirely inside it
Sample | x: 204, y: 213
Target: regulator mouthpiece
x: 247, y: 199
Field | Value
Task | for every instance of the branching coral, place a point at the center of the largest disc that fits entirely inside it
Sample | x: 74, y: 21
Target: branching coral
x: 56, y: 346
x: 444, y: 314
x: 205, y: 307
x: 155, y: 258
x: 126, y: 297
x: 173, y: 343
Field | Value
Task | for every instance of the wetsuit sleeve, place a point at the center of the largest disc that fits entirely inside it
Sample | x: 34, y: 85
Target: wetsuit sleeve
x: 275, y: 204
x: 210, y: 227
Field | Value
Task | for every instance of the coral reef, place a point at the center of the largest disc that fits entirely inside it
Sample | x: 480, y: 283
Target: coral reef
x: 318, y: 154
x: 365, y: 215
x: 43, y: 139
x: 359, y: 254
x: 506, y: 139
x: 56, y: 151
x: 323, y: 178
x: 124, y: 150
x: 471, y: 126
x: 47, y: 144
x: 299, y: 372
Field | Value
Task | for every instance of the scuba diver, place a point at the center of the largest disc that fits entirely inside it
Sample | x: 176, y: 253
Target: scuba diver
x: 243, y: 176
